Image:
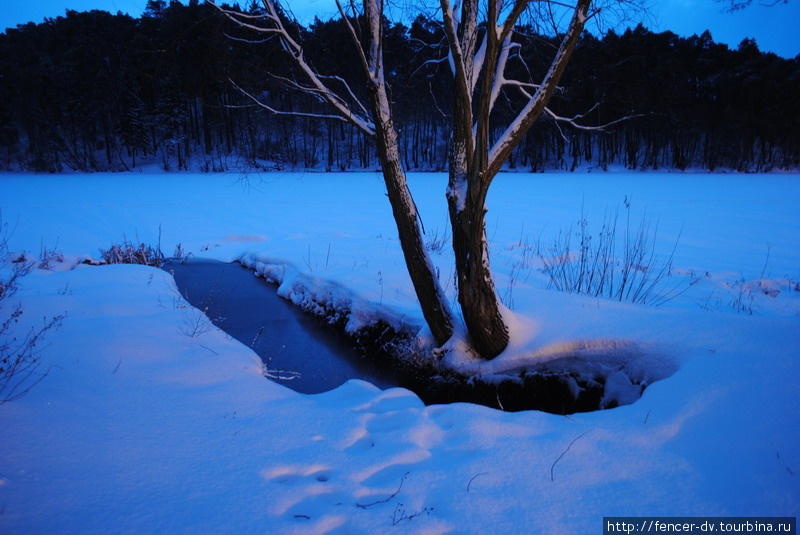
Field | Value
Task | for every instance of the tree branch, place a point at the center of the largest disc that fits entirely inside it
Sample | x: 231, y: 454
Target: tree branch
x: 599, y: 128
x: 513, y: 134
x: 354, y: 36
x: 511, y: 20
x: 350, y: 91
x: 248, y: 41
x: 457, y: 54
x: 275, y: 111
x: 440, y: 60
x: 294, y: 49
x: 462, y: 84
x: 499, y: 75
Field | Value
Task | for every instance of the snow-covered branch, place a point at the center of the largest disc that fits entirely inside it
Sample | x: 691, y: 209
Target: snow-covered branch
x: 598, y: 128
x: 463, y: 85
x: 490, y: 55
x: 477, y: 63
x: 349, y: 91
x: 316, y: 93
x: 457, y: 55
x: 248, y: 41
x: 499, y: 75
x: 295, y: 50
x: 263, y: 105
x: 535, y: 106
x: 511, y: 20
x: 240, y: 19
x: 373, y: 12
x: 353, y: 35
x: 429, y: 62
x: 523, y: 86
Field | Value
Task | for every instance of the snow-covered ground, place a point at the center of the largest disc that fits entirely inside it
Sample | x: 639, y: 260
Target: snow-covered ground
x: 146, y: 423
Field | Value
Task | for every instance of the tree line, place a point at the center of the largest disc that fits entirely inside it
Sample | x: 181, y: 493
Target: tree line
x: 92, y: 91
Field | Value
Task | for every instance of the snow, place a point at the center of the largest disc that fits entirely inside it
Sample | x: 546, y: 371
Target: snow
x: 145, y: 424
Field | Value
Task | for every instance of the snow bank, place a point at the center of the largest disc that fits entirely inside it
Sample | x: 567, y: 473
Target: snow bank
x: 326, y: 298
x: 146, y: 424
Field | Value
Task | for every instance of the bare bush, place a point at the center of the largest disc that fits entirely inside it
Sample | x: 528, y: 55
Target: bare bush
x: 19, y: 357
x: 437, y: 242
x: 744, y: 299
x: 49, y: 256
x: 195, y: 323
x: 18, y: 268
x: 8, y: 282
x: 131, y: 253
x: 599, y: 265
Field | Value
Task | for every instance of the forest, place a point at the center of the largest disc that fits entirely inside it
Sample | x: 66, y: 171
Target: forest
x: 93, y: 91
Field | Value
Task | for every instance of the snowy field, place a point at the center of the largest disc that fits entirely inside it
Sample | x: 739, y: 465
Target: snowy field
x: 147, y: 424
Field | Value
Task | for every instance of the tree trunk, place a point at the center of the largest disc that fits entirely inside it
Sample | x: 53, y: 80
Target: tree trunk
x: 420, y: 268
x: 473, y: 164
x: 476, y: 291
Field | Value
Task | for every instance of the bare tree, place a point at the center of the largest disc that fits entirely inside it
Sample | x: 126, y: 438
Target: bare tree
x: 480, y: 43
x: 375, y: 120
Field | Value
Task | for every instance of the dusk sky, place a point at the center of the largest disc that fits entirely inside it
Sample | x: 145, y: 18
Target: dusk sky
x: 774, y: 28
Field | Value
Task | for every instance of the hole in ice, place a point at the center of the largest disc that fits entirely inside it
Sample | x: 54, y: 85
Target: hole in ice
x: 311, y: 355
x: 297, y: 350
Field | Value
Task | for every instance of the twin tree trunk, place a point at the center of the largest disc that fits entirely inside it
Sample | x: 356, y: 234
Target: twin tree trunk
x: 476, y: 291
x: 478, y: 80
x: 471, y: 170
x: 473, y: 166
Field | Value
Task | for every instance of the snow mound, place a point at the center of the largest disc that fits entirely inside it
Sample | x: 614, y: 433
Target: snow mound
x: 326, y: 298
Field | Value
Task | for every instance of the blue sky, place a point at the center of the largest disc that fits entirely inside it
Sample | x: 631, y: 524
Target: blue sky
x: 774, y: 28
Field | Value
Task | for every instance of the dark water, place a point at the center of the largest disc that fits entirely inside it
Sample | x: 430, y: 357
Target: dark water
x: 309, y: 356
x: 299, y: 351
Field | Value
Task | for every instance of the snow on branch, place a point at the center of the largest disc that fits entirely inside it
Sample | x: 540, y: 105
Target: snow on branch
x: 248, y: 41
x: 318, y: 88
x: 505, y: 29
x: 463, y: 84
x: 240, y: 19
x: 353, y: 34
x: 373, y: 13
x: 572, y: 120
x: 275, y: 111
x: 349, y: 91
x: 523, y: 86
x: 499, y: 74
x: 536, y: 103
x: 451, y: 30
x: 477, y: 63
x: 428, y: 62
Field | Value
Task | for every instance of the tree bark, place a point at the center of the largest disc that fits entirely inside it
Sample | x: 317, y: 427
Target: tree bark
x: 420, y: 268
x: 476, y: 291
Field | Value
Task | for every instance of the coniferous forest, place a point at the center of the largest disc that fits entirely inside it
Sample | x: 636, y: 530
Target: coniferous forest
x: 100, y: 92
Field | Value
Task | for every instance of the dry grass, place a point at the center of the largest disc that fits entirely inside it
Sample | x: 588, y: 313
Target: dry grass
x: 604, y: 264
x: 131, y: 253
